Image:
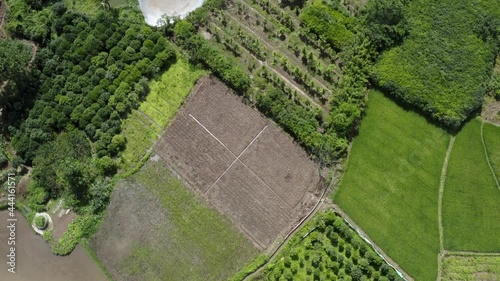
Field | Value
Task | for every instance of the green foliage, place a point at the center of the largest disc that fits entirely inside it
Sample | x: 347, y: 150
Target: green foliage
x: 58, y: 161
x: 328, y: 24
x: 393, y: 173
x: 201, y: 51
x: 442, y: 66
x: 143, y: 127
x: 250, y: 268
x: 385, y: 22
x: 37, y: 197
x: 3, y: 161
x: 82, y: 226
x: 456, y: 267
x: 31, y: 22
x: 17, y: 161
x: 200, y: 234
x: 471, y: 197
x: 93, y: 72
x: 40, y: 222
x: 106, y: 166
x: 14, y: 79
x: 302, y: 125
x: 100, y: 192
x: 313, y: 253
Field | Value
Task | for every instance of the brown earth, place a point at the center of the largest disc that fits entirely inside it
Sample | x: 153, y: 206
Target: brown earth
x: 35, y: 261
x: 61, y: 224
x: 491, y: 112
x: 130, y: 217
x: 245, y: 165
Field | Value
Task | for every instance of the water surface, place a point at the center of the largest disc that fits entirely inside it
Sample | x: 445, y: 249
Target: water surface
x: 154, y: 9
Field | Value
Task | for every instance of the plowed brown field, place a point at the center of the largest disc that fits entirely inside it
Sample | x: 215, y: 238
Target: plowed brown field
x: 245, y: 165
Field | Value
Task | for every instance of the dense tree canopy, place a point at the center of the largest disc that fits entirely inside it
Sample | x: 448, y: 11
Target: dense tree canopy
x: 14, y: 76
x: 92, y: 73
x: 443, y: 65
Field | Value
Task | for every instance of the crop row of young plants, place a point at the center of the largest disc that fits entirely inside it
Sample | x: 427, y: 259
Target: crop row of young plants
x: 326, y: 248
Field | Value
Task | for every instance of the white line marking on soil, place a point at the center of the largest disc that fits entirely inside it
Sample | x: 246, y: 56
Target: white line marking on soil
x: 237, y: 158
x: 212, y: 135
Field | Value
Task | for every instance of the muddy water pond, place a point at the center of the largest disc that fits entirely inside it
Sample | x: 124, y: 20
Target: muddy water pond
x: 154, y: 9
x: 35, y: 261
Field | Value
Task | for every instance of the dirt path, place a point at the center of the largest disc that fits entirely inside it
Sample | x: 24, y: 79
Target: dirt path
x: 442, y: 181
x: 3, y: 14
x: 292, y: 232
x: 487, y: 157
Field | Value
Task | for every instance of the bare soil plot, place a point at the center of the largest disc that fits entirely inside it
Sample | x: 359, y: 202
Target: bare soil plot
x: 245, y: 165
x: 35, y: 261
x: 239, y: 194
x: 273, y: 156
x: 156, y: 229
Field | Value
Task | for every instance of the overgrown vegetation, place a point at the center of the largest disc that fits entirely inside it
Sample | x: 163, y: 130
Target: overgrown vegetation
x: 142, y: 126
x: 456, y: 267
x: 442, y: 66
x: 327, y: 249
x: 15, y: 81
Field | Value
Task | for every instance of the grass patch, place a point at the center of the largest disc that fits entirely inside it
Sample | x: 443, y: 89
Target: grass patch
x: 471, y: 201
x: 471, y: 268
x: 327, y: 249
x: 391, y: 184
x: 491, y: 134
x: 198, y: 243
x: 250, y: 268
x: 85, y: 244
x: 142, y: 127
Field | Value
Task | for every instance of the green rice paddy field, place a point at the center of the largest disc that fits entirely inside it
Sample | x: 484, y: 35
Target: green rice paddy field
x: 391, y: 188
x: 391, y: 185
x: 471, y: 202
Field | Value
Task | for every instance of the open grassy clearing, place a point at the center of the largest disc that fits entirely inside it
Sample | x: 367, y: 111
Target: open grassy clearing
x: 456, y: 267
x: 390, y: 186
x: 327, y: 249
x: 491, y: 135
x: 156, y: 229
x: 471, y: 201
x: 142, y: 127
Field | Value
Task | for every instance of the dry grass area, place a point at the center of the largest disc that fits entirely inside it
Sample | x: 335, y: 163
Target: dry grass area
x: 245, y: 165
x: 484, y: 268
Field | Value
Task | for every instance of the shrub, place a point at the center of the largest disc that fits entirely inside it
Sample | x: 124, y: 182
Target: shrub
x: 17, y: 161
x: 40, y: 222
x: 3, y: 161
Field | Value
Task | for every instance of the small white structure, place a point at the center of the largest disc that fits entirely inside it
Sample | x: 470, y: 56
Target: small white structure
x: 48, y: 219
